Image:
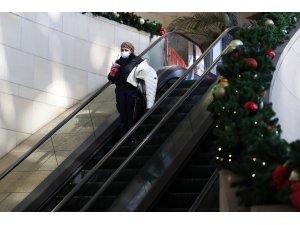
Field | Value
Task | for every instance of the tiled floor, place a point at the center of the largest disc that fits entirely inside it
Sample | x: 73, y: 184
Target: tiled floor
x: 31, y: 172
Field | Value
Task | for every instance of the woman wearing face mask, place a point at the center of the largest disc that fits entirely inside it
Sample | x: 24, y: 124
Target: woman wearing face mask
x: 125, y: 92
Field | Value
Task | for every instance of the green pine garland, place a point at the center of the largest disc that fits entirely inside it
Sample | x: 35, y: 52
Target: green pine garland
x: 133, y: 20
x: 248, y: 142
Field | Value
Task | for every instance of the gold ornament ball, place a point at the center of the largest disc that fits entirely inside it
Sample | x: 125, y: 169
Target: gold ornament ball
x: 220, y: 92
x: 223, y: 83
x: 269, y: 22
x: 233, y: 44
x: 263, y: 93
x: 236, y: 42
x: 294, y: 176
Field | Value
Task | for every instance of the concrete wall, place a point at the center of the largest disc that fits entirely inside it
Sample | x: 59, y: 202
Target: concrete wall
x: 49, y: 62
x: 285, y: 92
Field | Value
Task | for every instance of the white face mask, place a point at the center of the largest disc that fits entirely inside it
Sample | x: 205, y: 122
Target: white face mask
x: 125, y: 55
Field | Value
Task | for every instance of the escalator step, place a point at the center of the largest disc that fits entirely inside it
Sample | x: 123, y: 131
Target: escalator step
x: 191, y: 185
x: 186, y: 84
x: 170, y: 100
x: 165, y: 109
x: 202, y: 158
x: 160, y: 209
x: 125, y: 151
x: 153, y: 119
x: 178, y: 92
x: 77, y: 202
x: 103, y: 174
x: 200, y: 90
x: 198, y: 171
x: 208, y: 210
x: 194, y: 99
x: 102, y: 203
x: 178, y: 200
x: 90, y: 188
x: 114, y: 162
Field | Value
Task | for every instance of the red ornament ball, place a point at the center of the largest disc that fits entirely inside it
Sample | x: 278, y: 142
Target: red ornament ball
x: 270, y: 127
x: 237, y: 53
x: 252, y: 63
x: 162, y: 31
x: 251, y: 106
x: 280, y: 177
x: 295, y: 195
x: 270, y: 53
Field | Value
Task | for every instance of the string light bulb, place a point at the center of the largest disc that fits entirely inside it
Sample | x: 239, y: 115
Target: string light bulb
x: 253, y: 175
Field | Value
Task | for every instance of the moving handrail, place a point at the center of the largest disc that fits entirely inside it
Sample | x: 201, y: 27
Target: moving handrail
x: 153, y: 131
x: 130, y: 132
x: 69, y: 117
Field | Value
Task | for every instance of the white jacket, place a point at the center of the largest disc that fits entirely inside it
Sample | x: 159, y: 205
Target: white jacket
x: 145, y: 72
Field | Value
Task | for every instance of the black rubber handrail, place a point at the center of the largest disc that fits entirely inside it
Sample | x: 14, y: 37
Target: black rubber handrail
x: 129, y: 133
x: 208, y: 186
x: 153, y: 131
x: 86, y: 102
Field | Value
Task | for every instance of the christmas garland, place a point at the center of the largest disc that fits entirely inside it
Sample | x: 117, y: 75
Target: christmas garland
x: 247, y: 132
x: 133, y: 20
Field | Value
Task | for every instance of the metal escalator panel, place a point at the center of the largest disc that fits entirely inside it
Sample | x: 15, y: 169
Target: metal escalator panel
x: 125, y: 162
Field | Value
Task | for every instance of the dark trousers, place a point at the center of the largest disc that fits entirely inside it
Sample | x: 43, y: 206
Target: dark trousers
x: 125, y: 98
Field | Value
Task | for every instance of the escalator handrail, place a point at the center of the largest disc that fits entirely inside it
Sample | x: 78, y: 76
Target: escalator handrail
x: 142, y: 119
x: 82, y: 105
x: 50, y: 133
x: 208, y: 186
x: 153, y: 131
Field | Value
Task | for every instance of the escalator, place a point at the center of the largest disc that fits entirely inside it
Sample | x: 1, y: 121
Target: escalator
x: 116, y: 159
x: 85, y: 194
x: 98, y: 183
